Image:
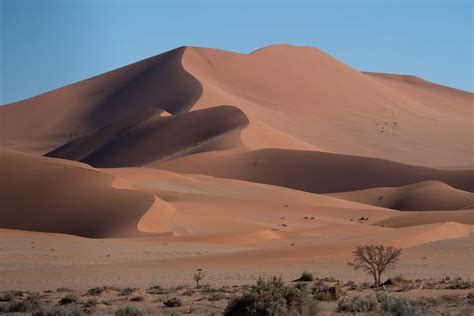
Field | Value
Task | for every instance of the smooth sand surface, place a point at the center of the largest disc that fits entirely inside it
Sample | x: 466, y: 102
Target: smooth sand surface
x: 421, y: 196
x: 244, y: 165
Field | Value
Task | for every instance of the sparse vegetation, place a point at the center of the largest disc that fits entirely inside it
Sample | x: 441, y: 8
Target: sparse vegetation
x: 357, y: 304
x: 398, y: 306
x: 97, y: 290
x: 68, y: 299
x: 127, y: 291
x: 198, y: 276
x: 137, y: 299
x: 173, y: 302
x: 273, y: 297
x: 155, y: 289
x: 129, y: 311
x: 60, y: 311
x: 215, y: 297
x: 375, y: 260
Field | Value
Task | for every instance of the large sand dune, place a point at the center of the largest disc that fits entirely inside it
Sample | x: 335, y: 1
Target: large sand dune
x: 274, y: 160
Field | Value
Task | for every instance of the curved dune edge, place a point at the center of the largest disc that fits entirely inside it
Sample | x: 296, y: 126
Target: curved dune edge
x: 420, y: 196
x: 57, y: 196
x: 158, y: 218
x: 422, y: 218
x: 85, y: 107
x: 312, y: 171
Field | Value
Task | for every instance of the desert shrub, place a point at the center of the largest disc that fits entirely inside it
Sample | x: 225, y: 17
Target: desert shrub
x: 330, y: 279
x: 470, y: 297
x: 91, y: 302
x: 173, y: 302
x: 137, y: 299
x: 156, y: 289
x: 129, y: 311
x: 60, y: 311
x: 97, y: 290
x: 453, y: 299
x: 398, y: 306
x: 306, y: 277
x: 351, y: 285
x: 460, y: 284
x: 127, y: 291
x: 273, y: 297
x: 6, y: 297
x: 323, y: 296
x: 358, y: 304
x: 29, y: 304
x: 68, y: 299
x: 215, y: 297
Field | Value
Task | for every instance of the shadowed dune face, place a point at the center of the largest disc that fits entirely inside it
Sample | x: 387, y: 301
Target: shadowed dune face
x: 87, y: 106
x: 52, y: 195
x: 157, y: 138
x: 423, y: 196
x: 314, y: 171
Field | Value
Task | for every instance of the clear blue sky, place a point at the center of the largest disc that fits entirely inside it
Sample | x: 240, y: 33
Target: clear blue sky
x: 46, y: 44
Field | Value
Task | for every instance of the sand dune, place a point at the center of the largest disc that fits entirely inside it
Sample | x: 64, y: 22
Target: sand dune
x: 422, y: 196
x: 314, y: 171
x: 158, y: 138
x: 421, y: 218
x: 87, y: 106
x: 310, y: 101
x: 57, y: 196
x: 204, y: 207
x: 212, y: 158
x: 314, y: 99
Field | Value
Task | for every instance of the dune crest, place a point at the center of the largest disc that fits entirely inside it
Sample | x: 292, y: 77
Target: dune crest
x: 422, y: 196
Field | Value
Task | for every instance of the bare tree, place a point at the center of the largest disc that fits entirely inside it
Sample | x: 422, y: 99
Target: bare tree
x: 375, y: 260
x: 198, y: 276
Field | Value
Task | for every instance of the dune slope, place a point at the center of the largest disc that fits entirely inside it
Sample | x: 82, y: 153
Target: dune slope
x: 157, y: 138
x: 311, y: 171
x: 87, y: 106
x: 311, y: 101
x: 58, y: 196
x: 423, y: 196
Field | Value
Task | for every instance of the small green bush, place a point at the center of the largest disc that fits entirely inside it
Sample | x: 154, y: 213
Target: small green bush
x: 273, y: 297
x: 398, y: 306
x: 358, y: 304
x: 129, y: 311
